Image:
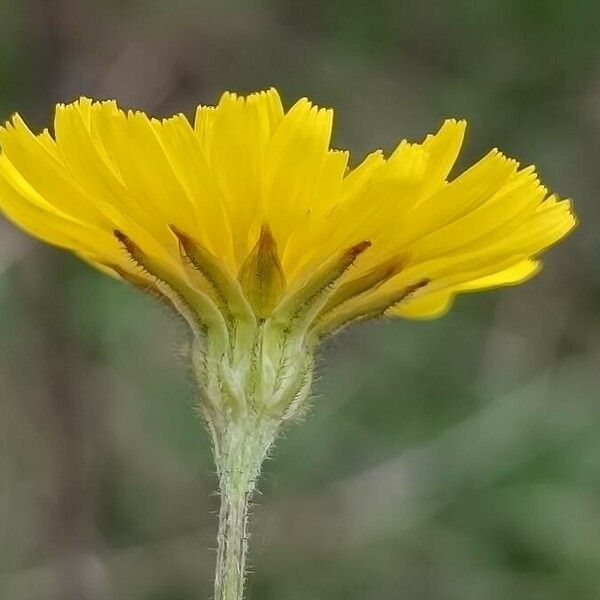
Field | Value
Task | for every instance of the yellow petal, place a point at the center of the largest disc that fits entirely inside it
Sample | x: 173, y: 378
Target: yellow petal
x: 97, y: 165
x: 518, y: 273
x: 495, y: 217
x: 436, y: 304
x: 45, y: 173
x: 247, y: 164
x: 23, y: 205
x: 426, y: 306
x: 235, y: 137
x: 210, y: 224
x: 458, y: 198
x: 442, y: 150
x: 295, y: 156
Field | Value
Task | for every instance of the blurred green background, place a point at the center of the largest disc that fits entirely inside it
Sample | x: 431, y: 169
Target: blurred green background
x: 456, y: 459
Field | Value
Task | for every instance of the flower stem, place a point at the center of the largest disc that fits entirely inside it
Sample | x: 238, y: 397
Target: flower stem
x: 232, y: 547
x: 239, y: 454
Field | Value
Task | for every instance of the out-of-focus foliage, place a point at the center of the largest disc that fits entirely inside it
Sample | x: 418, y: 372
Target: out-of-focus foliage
x: 453, y: 459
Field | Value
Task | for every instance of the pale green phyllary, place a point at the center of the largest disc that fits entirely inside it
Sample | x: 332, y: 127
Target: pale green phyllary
x: 264, y: 240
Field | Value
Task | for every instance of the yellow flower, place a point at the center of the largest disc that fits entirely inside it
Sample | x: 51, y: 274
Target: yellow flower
x: 265, y: 240
x: 247, y: 166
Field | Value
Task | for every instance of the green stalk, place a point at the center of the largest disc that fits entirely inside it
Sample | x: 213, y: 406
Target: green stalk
x: 239, y: 453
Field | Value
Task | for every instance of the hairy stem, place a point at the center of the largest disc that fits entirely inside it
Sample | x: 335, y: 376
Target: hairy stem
x: 232, y: 548
x: 239, y: 452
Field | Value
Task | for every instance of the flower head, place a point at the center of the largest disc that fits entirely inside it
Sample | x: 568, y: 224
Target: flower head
x: 246, y: 220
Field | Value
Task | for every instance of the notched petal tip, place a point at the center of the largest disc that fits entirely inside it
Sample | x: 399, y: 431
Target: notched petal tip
x: 459, y: 123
